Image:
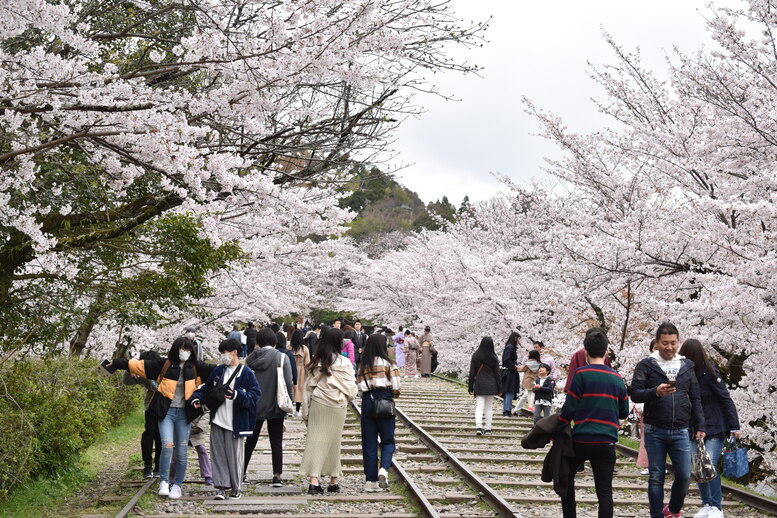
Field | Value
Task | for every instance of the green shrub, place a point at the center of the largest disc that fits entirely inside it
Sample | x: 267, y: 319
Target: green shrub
x: 52, y: 410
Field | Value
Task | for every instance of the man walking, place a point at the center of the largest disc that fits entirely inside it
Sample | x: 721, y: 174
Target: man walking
x: 359, y: 340
x: 596, y: 402
x: 665, y: 382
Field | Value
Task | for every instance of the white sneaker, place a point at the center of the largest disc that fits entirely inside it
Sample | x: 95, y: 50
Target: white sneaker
x: 383, y: 478
x: 164, y: 488
x: 715, y: 513
x: 175, y: 492
x: 704, y: 512
x: 372, y: 487
x: 647, y: 472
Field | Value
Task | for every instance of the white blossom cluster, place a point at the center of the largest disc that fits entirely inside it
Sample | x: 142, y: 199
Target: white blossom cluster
x: 670, y: 214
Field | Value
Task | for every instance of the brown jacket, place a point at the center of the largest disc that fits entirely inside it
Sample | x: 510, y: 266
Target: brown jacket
x: 302, y: 356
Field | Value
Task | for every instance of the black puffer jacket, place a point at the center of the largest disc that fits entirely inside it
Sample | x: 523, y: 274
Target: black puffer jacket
x: 485, y: 381
x: 682, y: 409
x: 720, y: 414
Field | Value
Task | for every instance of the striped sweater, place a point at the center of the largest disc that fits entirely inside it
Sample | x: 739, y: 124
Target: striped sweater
x: 381, y: 375
x: 596, y: 402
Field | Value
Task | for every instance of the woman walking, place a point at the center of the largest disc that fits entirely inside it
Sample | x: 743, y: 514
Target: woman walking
x: 485, y: 382
x: 330, y: 385
x: 265, y: 362
x: 411, y: 355
x: 378, y: 379
x: 511, y: 375
x: 427, y: 346
x: 349, y: 350
x: 178, y: 376
x: 232, y: 420
x: 301, y: 358
x: 720, y: 418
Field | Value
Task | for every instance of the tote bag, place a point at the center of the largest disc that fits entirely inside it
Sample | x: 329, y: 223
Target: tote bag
x: 703, y: 470
x: 734, y: 460
x: 284, y: 401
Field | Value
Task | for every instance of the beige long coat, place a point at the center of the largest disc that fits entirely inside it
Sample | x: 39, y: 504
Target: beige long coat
x: 303, y: 358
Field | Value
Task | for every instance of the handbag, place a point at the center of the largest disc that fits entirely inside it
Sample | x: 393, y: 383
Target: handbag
x: 217, y: 395
x: 634, y: 416
x: 383, y: 408
x: 283, y: 399
x: 734, y: 460
x: 703, y: 470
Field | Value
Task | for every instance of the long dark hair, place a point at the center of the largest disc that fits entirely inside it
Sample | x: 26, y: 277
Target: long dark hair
x: 331, y: 344
x: 374, y: 348
x: 297, y: 339
x: 694, y: 351
x: 485, y: 352
x: 181, y: 343
x: 280, y: 341
x: 513, y: 339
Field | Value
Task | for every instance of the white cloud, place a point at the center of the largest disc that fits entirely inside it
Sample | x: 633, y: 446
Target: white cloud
x: 540, y: 50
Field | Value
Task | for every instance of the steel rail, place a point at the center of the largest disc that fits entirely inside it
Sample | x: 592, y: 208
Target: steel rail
x: 127, y: 509
x: 486, y: 493
x: 760, y: 502
x: 427, y: 509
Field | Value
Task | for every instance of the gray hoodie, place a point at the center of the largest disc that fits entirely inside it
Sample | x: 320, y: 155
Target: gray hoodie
x: 265, y: 362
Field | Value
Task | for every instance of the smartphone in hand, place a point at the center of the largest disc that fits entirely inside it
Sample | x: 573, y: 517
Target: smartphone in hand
x: 672, y: 383
x: 107, y: 366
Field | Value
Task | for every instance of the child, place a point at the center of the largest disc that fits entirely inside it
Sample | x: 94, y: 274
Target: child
x: 529, y: 367
x: 543, y: 392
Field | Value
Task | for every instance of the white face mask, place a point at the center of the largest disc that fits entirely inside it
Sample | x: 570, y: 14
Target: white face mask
x: 226, y: 358
x: 184, y: 355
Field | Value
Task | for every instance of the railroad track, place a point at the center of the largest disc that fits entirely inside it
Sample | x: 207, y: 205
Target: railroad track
x: 442, y: 469
x: 447, y: 415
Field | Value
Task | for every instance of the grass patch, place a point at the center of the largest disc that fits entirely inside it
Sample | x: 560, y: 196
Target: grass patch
x: 47, y: 495
x: 628, y: 441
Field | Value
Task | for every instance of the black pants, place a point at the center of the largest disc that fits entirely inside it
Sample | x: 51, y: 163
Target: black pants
x: 275, y: 430
x: 150, y: 441
x: 602, y: 458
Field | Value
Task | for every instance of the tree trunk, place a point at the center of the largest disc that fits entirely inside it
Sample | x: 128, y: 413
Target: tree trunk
x: 78, y: 342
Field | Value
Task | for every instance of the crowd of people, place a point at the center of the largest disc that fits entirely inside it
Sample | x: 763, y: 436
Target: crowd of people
x: 677, y: 392
x: 268, y: 374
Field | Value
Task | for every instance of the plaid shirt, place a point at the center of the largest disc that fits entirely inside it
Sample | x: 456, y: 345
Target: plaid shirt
x: 381, y: 375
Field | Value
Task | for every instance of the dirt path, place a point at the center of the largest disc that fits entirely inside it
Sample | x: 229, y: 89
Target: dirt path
x: 111, y: 469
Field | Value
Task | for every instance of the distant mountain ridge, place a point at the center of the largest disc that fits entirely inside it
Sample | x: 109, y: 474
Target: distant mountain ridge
x: 385, y: 206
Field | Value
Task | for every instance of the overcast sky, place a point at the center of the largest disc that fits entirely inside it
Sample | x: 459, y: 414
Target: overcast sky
x: 540, y: 50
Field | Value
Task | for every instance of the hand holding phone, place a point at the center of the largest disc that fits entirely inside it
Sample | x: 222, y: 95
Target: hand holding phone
x: 672, y: 383
x: 107, y: 365
x: 230, y: 394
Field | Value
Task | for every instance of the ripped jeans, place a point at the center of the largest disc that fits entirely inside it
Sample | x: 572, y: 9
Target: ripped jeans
x: 174, y: 432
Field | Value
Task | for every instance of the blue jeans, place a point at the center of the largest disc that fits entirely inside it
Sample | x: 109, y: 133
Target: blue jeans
x: 508, y: 405
x: 677, y: 444
x: 373, y: 428
x: 174, y: 431
x: 710, y: 491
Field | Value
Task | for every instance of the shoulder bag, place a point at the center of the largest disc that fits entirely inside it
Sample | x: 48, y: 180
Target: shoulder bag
x: 283, y: 399
x: 217, y: 395
x: 383, y: 408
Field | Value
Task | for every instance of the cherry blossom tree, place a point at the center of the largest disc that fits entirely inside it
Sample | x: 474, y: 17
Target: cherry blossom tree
x: 668, y: 214
x: 115, y: 113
